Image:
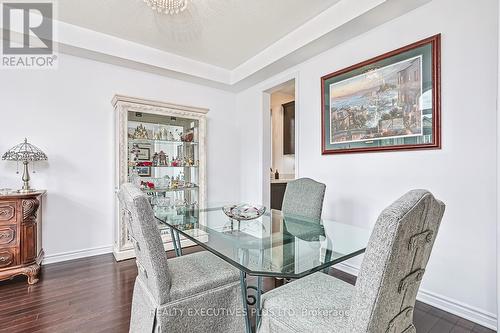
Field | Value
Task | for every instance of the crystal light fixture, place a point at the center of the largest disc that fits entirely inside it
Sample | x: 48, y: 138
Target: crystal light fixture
x: 171, y: 7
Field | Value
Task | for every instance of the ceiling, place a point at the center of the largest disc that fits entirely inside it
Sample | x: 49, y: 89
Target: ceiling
x: 224, y: 33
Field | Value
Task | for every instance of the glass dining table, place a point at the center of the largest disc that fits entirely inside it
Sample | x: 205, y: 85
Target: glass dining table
x: 273, y: 245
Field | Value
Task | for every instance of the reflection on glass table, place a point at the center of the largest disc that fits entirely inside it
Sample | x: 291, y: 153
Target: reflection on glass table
x: 272, y: 245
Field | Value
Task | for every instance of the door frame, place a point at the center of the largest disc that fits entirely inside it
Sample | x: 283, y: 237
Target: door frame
x: 267, y: 89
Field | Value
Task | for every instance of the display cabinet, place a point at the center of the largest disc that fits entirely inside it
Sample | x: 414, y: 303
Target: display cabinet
x: 160, y: 147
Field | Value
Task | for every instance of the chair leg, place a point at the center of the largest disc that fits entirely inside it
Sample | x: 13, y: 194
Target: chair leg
x: 328, y: 258
x: 179, y: 243
x: 174, y: 242
x: 278, y: 282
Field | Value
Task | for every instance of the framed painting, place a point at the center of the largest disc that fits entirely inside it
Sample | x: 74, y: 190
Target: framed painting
x: 143, y: 171
x: 144, y: 152
x: 390, y: 102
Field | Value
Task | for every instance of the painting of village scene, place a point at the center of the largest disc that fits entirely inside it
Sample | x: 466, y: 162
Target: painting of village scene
x: 382, y: 103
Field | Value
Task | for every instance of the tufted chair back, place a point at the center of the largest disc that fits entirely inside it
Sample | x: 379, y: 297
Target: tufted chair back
x: 304, y: 198
x: 394, y: 263
x: 145, y: 235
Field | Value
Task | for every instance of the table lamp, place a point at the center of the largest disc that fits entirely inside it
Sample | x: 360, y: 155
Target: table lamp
x: 25, y: 152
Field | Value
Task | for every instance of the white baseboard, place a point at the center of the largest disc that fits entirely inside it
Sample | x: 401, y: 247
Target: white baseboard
x: 444, y: 303
x: 348, y: 268
x: 64, y: 256
x: 458, y: 308
x: 128, y: 254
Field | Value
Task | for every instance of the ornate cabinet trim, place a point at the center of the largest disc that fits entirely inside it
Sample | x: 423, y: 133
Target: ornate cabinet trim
x: 30, y: 208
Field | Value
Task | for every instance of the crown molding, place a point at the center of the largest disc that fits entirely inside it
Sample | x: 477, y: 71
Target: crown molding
x: 124, y: 99
x: 344, y: 20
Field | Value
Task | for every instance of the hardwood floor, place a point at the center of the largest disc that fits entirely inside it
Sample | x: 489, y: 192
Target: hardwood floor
x: 94, y: 294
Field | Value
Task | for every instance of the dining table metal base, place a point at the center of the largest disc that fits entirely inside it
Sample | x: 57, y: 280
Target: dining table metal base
x: 251, y: 300
x: 176, y: 241
x: 246, y: 298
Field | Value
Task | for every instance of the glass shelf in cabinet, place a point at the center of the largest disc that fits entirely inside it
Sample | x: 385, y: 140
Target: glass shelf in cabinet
x: 165, y: 166
x: 161, y: 190
x: 171, y: 166
x: 161, y: 141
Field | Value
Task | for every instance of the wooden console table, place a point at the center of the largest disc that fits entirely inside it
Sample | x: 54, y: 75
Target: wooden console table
x: 21, y: 250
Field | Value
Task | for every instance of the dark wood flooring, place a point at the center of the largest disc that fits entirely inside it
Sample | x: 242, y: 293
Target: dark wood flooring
x: 94, y: 294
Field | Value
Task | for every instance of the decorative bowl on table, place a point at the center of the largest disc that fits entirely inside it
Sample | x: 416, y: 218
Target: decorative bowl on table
x: 244, y: 212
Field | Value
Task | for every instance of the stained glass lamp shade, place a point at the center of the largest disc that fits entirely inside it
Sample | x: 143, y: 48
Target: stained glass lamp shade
x: 25, y: 152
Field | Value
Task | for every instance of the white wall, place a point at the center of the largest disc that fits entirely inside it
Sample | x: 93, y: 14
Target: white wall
x: 461, y: 274
x: 284, y: 163
x: 68, y: 114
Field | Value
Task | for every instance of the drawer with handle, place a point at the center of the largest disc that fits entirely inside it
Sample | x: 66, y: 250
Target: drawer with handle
x: 7, y: 258
x: 8, y: 235
x: 7, y: 212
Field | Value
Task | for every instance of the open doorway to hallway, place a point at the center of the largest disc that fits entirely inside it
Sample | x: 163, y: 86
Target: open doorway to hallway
x: 282, y: 168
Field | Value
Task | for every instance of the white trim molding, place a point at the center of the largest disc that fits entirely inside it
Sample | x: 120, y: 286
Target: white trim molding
x: 460, y: 309
x: 444, y: 303
x: 71, y: 255
x: 344, y: 20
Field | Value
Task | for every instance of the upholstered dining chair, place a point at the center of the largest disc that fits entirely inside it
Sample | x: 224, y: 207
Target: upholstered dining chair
x: 304, y: 197
x: 384, y: 296
x: 169, y: 295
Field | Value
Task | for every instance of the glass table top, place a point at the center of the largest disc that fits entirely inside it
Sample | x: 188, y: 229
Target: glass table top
x: 272, y: 245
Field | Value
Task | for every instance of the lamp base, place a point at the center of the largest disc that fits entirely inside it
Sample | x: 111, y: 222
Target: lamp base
x: 26, y: 191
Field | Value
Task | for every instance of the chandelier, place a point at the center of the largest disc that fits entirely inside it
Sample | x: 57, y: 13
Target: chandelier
x: 171, y: 7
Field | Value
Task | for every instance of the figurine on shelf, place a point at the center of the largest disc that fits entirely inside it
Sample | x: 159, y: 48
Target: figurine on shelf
x: 157, y: 134
x: 180, y: 180
x: 177, y: 136
x: 134, y: 153
x: 168, y: 183
x: 156, y: 159
x: 175, y: 163
x: 197, y: 163
x: 188, y: 137
x: 147, y: 185
x: 141, y: 132
x: 190, y: 162
x: 170, y: 136
x: 163, y: 134
x: 162, y: 158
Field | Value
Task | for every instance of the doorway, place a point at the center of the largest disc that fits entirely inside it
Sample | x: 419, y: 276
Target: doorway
x: 281, y: 142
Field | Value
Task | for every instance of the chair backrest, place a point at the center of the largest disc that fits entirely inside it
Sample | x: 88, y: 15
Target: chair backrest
x: 304, y: 197
x: 394, y: 263
x: 145, y: 235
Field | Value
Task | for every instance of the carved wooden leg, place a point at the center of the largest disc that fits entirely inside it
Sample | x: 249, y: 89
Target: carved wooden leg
x: 32, y: 273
